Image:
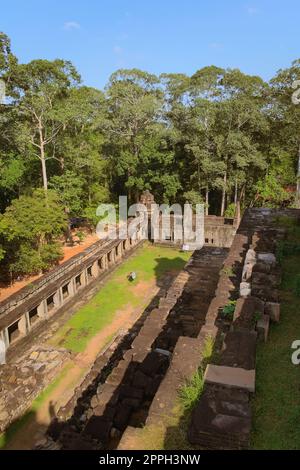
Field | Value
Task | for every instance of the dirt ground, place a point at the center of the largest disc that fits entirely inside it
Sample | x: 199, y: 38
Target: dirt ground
x: 69, y: 251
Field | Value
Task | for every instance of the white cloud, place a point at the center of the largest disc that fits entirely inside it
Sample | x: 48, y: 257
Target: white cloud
x: 216, y: 45
x: 251, y: 10
x: 122, y: 37
x: 117, y: 50
x: 71, y: 25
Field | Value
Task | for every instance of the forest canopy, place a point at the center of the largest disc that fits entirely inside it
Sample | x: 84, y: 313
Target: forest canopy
x: 221, y: 137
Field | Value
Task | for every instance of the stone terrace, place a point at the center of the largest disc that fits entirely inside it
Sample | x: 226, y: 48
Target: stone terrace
x: 132, y: 391
x: 222, y: 418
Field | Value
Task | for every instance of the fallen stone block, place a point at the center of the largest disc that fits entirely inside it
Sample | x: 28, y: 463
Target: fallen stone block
x: 234, y: 377
x: 250, y: 261
x: 273, y: 310
x: 267, y: 258
x: 239, y: 349
x: 262, y: 327
x: 245, y: 310
x: 221, y: 419
x: 245, y: 289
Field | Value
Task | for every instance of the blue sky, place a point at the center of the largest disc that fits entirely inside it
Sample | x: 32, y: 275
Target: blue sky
x: 100, y: 36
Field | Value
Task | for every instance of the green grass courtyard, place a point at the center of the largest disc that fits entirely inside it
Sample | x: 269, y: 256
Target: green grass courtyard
x: 150, y: 263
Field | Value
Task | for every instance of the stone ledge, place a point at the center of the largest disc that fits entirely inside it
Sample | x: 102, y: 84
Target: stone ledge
x: 232, y: 377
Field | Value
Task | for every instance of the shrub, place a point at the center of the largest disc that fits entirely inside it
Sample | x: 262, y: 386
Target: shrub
x: 229, y: 271
x: 230, y: 211
x: 228, y: 310
x: 190, y: 393
x: 80, y: 235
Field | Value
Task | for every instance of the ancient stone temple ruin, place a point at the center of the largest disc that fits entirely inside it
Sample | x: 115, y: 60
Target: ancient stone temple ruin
x: 134, y: 385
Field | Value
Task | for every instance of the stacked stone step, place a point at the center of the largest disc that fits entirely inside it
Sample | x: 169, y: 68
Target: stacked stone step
x: 187, y: 352
x: 106, y: 409
x: 222, y: 418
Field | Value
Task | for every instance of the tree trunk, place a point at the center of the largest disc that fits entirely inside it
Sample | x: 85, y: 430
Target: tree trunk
x: 43, y: 160
x: 223, y: 195
x: 238, y: 206
x: 235, y: 193
x: 44, y: 173
x: 206, y: 200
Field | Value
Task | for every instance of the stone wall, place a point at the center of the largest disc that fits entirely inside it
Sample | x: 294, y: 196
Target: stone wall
x: 218, y: 231
x: 130, y: 393
x: 142, y: 384
x: 21, y: 382
x: 222, y: 418
x: 24, y: 310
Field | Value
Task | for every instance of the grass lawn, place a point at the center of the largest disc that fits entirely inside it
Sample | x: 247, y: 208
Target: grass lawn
x: 150, y: 263
x: 276, y: 405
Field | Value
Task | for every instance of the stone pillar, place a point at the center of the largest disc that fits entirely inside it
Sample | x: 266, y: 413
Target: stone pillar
x: 3, y: 348
x: 57, y: 298
x: 95, y: 269
x: 28, y: 321
x: 105, y: 261
x: 5, y: 338
x: 42, y: 309
x: 101, y: 264
x: 72, y: 287
x: 61, y: 296
x: 83, y: 278
x: 22, y: 325
x: 110, y: 257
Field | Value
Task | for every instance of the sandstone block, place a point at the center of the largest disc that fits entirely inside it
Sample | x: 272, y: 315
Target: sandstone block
x: 273, y: 310
x: 262, y: 327
x: 245, y: 289
x: 234, y: 377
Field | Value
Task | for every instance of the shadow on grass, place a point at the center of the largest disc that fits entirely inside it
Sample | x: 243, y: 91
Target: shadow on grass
x: 14, y: 428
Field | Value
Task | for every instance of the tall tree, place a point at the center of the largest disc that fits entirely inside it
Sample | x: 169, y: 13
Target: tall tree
x: 134, y: 106
x: 40, y: 87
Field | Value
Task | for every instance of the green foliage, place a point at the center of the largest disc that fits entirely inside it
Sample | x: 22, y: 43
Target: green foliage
x: 29, y: 228
x: 277, y: 378
x: 193, y: 198
x: 228, y: 310
x: 230, y: 211
x: 2, y: 253
x: 257, y: 316
x: 220, y: 136
x: 28, y: 261
x: 80, y: 235
x: 270, y: 193
x: 50, y: 254
x: 31, y: 261
x: 190, y: 393
x: 31, y: 218
x: 70, y: 188
x: 228, y: 271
